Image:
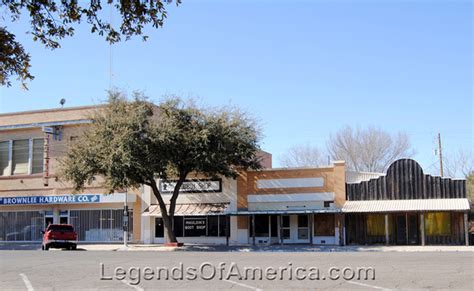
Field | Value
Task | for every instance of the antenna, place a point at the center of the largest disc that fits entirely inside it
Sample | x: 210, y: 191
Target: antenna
x: 62, y: 102
x: 110, y: 50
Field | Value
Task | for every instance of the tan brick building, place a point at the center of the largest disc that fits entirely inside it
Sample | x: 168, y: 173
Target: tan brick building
x: 31, y: 193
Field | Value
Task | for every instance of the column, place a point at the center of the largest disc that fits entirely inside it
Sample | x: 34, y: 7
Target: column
x: 387, y: 237
x: 280, y: 237
x: 466, y: 230
x: 310, y: 226
x: 422, y: 228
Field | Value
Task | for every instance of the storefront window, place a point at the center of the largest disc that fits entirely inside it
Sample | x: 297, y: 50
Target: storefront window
x: 100, y: 225
x: 21, y: 225
x: 375, y: 224
x: 438, y: 223
x: 194, y: 226
x: 324, y: 225
x: 4, y: 158
x: 261, y: 225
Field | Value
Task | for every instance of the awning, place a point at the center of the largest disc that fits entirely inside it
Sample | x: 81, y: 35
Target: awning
x: 289, y: 211
x: 458, y: 204
x: 191, y: 209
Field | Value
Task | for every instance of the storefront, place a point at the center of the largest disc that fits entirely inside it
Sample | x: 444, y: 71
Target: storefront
x: 95, y: 217
x: 289, y: 206
x: 407, y: 207
x: 201, y: 213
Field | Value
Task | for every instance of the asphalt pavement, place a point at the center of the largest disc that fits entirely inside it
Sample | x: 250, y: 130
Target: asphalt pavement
x: 150, y: 270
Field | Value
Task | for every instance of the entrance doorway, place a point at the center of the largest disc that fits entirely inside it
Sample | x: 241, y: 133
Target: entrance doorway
x: 295, y: 229
x: 48, y: 218
x: 407, y: 230
x: 64, y: 217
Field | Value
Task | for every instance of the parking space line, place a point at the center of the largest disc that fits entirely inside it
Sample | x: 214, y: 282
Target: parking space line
x: 27, y: 282
x: 369, y: 286
x: 243, y: 285
x: 136, y: 287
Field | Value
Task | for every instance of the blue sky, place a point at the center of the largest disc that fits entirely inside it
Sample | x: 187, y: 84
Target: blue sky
x: 304, y: 68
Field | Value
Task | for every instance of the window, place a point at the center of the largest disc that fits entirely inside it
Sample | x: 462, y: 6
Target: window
x: 324, y: 225
x: 375, y: 224
x: 21, y: 153
x: 4, y: 158
x: 438, y: 223
x: 213, y: 226
x: 328, y: 203
x: 38, y: 156
x: 194, y: 226
x: 261, y: 226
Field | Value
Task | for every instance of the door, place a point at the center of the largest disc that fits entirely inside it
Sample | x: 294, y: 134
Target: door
x: 295, y: 229
x: 412, y: 229
x: 401, y: 224
x: 286, y: 229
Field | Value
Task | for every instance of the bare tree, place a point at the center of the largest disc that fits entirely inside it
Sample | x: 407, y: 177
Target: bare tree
x: 368, y: 150
x: 303, y: 156
x: 459, y: 164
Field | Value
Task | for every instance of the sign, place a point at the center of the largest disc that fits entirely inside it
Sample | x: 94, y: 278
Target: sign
x: 62, y: 199
x: 192, y: 186
x: 195, y: 226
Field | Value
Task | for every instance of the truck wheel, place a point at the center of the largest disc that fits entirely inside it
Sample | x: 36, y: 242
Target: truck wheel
x: 46, y: 247
x: 42, y: 247
x: 73, y: 247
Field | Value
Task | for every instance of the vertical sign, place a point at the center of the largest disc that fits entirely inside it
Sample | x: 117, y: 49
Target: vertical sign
x: 46, y: 160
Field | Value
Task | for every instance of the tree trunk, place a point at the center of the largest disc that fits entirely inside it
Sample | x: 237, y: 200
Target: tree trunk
x: 167, y: 219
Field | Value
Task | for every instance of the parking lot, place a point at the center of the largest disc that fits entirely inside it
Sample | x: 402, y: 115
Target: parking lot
x: 126, y: 270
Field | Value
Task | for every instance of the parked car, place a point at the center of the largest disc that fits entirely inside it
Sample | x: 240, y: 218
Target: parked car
x: 59, y: 236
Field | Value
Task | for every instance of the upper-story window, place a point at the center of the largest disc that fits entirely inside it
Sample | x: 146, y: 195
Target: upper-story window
x: 20, y: 160
x: 21, y: 157
x: 4, y: 157
x: 37, y: 156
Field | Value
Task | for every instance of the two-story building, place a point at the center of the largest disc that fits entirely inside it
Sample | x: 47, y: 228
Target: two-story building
x: 32, y: 194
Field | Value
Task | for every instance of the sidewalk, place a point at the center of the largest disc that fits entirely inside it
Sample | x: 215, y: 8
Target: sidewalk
x: 244, y: 248
x: 276, y: 248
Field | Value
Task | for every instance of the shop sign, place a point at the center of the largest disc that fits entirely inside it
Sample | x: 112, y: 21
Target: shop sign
x: 192, y: 186
x: 195, y: 226
x: 61, y: 199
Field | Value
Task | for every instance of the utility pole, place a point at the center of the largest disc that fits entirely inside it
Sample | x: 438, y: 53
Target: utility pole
x: 440, y: 155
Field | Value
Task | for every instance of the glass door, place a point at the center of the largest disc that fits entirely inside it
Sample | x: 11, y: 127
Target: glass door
x: 303, y: 229
x: 286, y: 229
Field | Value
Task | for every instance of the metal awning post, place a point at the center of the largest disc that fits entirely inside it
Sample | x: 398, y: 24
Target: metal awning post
x: 387, y: 238
x: 269, y: 230
x: 466, y: 229
x: 253, y: 229
x: 422, y: 228
x: 310, y: 230
x: 227, y: 229
x: 279, y: 229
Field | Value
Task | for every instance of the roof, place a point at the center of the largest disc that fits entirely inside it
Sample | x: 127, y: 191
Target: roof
x: 366, y: 206
x: 33, y: 118
x: 357, y: 177
x: 189, y: 209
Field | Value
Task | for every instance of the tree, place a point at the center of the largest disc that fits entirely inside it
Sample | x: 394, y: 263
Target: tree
x: 368, y: 150
x: 52, y: 21
x: 459, y: 163
x: 303, y: 156
x: 135, y: 142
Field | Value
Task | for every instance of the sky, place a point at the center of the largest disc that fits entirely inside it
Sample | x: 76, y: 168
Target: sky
x: 304, y: 69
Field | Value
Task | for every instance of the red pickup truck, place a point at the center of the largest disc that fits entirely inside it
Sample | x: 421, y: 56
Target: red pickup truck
x: 59, y: 236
